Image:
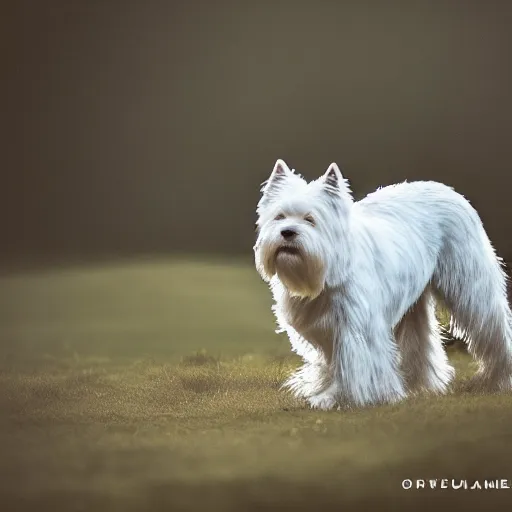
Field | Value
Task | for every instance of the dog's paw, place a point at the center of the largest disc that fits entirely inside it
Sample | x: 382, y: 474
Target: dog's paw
x: 322, y: 401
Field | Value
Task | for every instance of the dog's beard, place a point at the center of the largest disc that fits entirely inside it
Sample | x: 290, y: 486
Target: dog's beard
x: 303, y: 274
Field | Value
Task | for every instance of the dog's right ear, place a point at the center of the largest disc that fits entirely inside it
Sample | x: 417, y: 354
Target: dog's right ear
x: 278, y: 176
x: 271, y: 188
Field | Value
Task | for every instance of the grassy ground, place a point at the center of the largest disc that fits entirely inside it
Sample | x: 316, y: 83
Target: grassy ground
x: 155, y: 386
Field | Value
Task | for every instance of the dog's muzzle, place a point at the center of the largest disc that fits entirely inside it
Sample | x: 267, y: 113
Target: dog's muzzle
x: 288, y: 249
x: 288, y: 234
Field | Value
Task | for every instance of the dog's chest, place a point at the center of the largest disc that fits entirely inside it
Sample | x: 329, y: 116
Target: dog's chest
x: 311, y: 319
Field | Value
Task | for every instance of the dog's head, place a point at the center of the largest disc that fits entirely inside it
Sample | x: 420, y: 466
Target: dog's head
x: 303, y: 230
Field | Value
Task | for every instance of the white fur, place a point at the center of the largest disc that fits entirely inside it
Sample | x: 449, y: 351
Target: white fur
x: 357, y: 295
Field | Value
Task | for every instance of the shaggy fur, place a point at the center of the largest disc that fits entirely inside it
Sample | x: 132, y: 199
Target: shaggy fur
x: 355, y: 283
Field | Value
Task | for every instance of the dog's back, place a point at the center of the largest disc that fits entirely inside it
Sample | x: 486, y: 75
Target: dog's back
x: 416, y: 196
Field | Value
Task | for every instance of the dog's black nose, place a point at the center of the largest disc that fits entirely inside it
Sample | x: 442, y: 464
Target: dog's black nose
x: 288, y: 234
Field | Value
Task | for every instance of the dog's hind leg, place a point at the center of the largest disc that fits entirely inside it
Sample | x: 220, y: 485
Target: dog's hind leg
x: 424, y: 363
x: 473, y: 284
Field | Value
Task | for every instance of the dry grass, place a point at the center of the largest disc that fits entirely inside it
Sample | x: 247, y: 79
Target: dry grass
x: 138, y: 423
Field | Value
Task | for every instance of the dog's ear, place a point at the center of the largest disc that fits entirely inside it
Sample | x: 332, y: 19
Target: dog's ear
x: 272, y: 186
x: 335, y: 184
x: 278, y: 176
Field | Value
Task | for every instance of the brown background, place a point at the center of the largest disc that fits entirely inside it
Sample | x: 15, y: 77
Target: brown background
x: 147, y: 127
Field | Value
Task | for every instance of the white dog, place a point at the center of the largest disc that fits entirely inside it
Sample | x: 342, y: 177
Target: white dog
x: 355, y: 283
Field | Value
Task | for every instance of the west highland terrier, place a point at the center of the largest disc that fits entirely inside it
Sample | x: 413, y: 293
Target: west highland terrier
x: 355, y: 286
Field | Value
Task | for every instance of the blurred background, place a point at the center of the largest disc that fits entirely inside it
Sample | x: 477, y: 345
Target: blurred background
x: 133, y: 128
x: 139, y: 129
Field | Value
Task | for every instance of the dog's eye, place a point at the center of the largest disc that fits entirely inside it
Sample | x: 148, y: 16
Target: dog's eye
x: 309, y: 219
x: 279, y: 217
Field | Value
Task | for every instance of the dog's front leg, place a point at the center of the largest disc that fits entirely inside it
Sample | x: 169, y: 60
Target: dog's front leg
x: 317, y: 379
x: 326, y: 399
x: 366, y: 362
x: 312, y: 377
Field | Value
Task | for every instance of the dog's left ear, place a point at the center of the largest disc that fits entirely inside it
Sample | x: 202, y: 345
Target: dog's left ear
x: 335, y: 184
